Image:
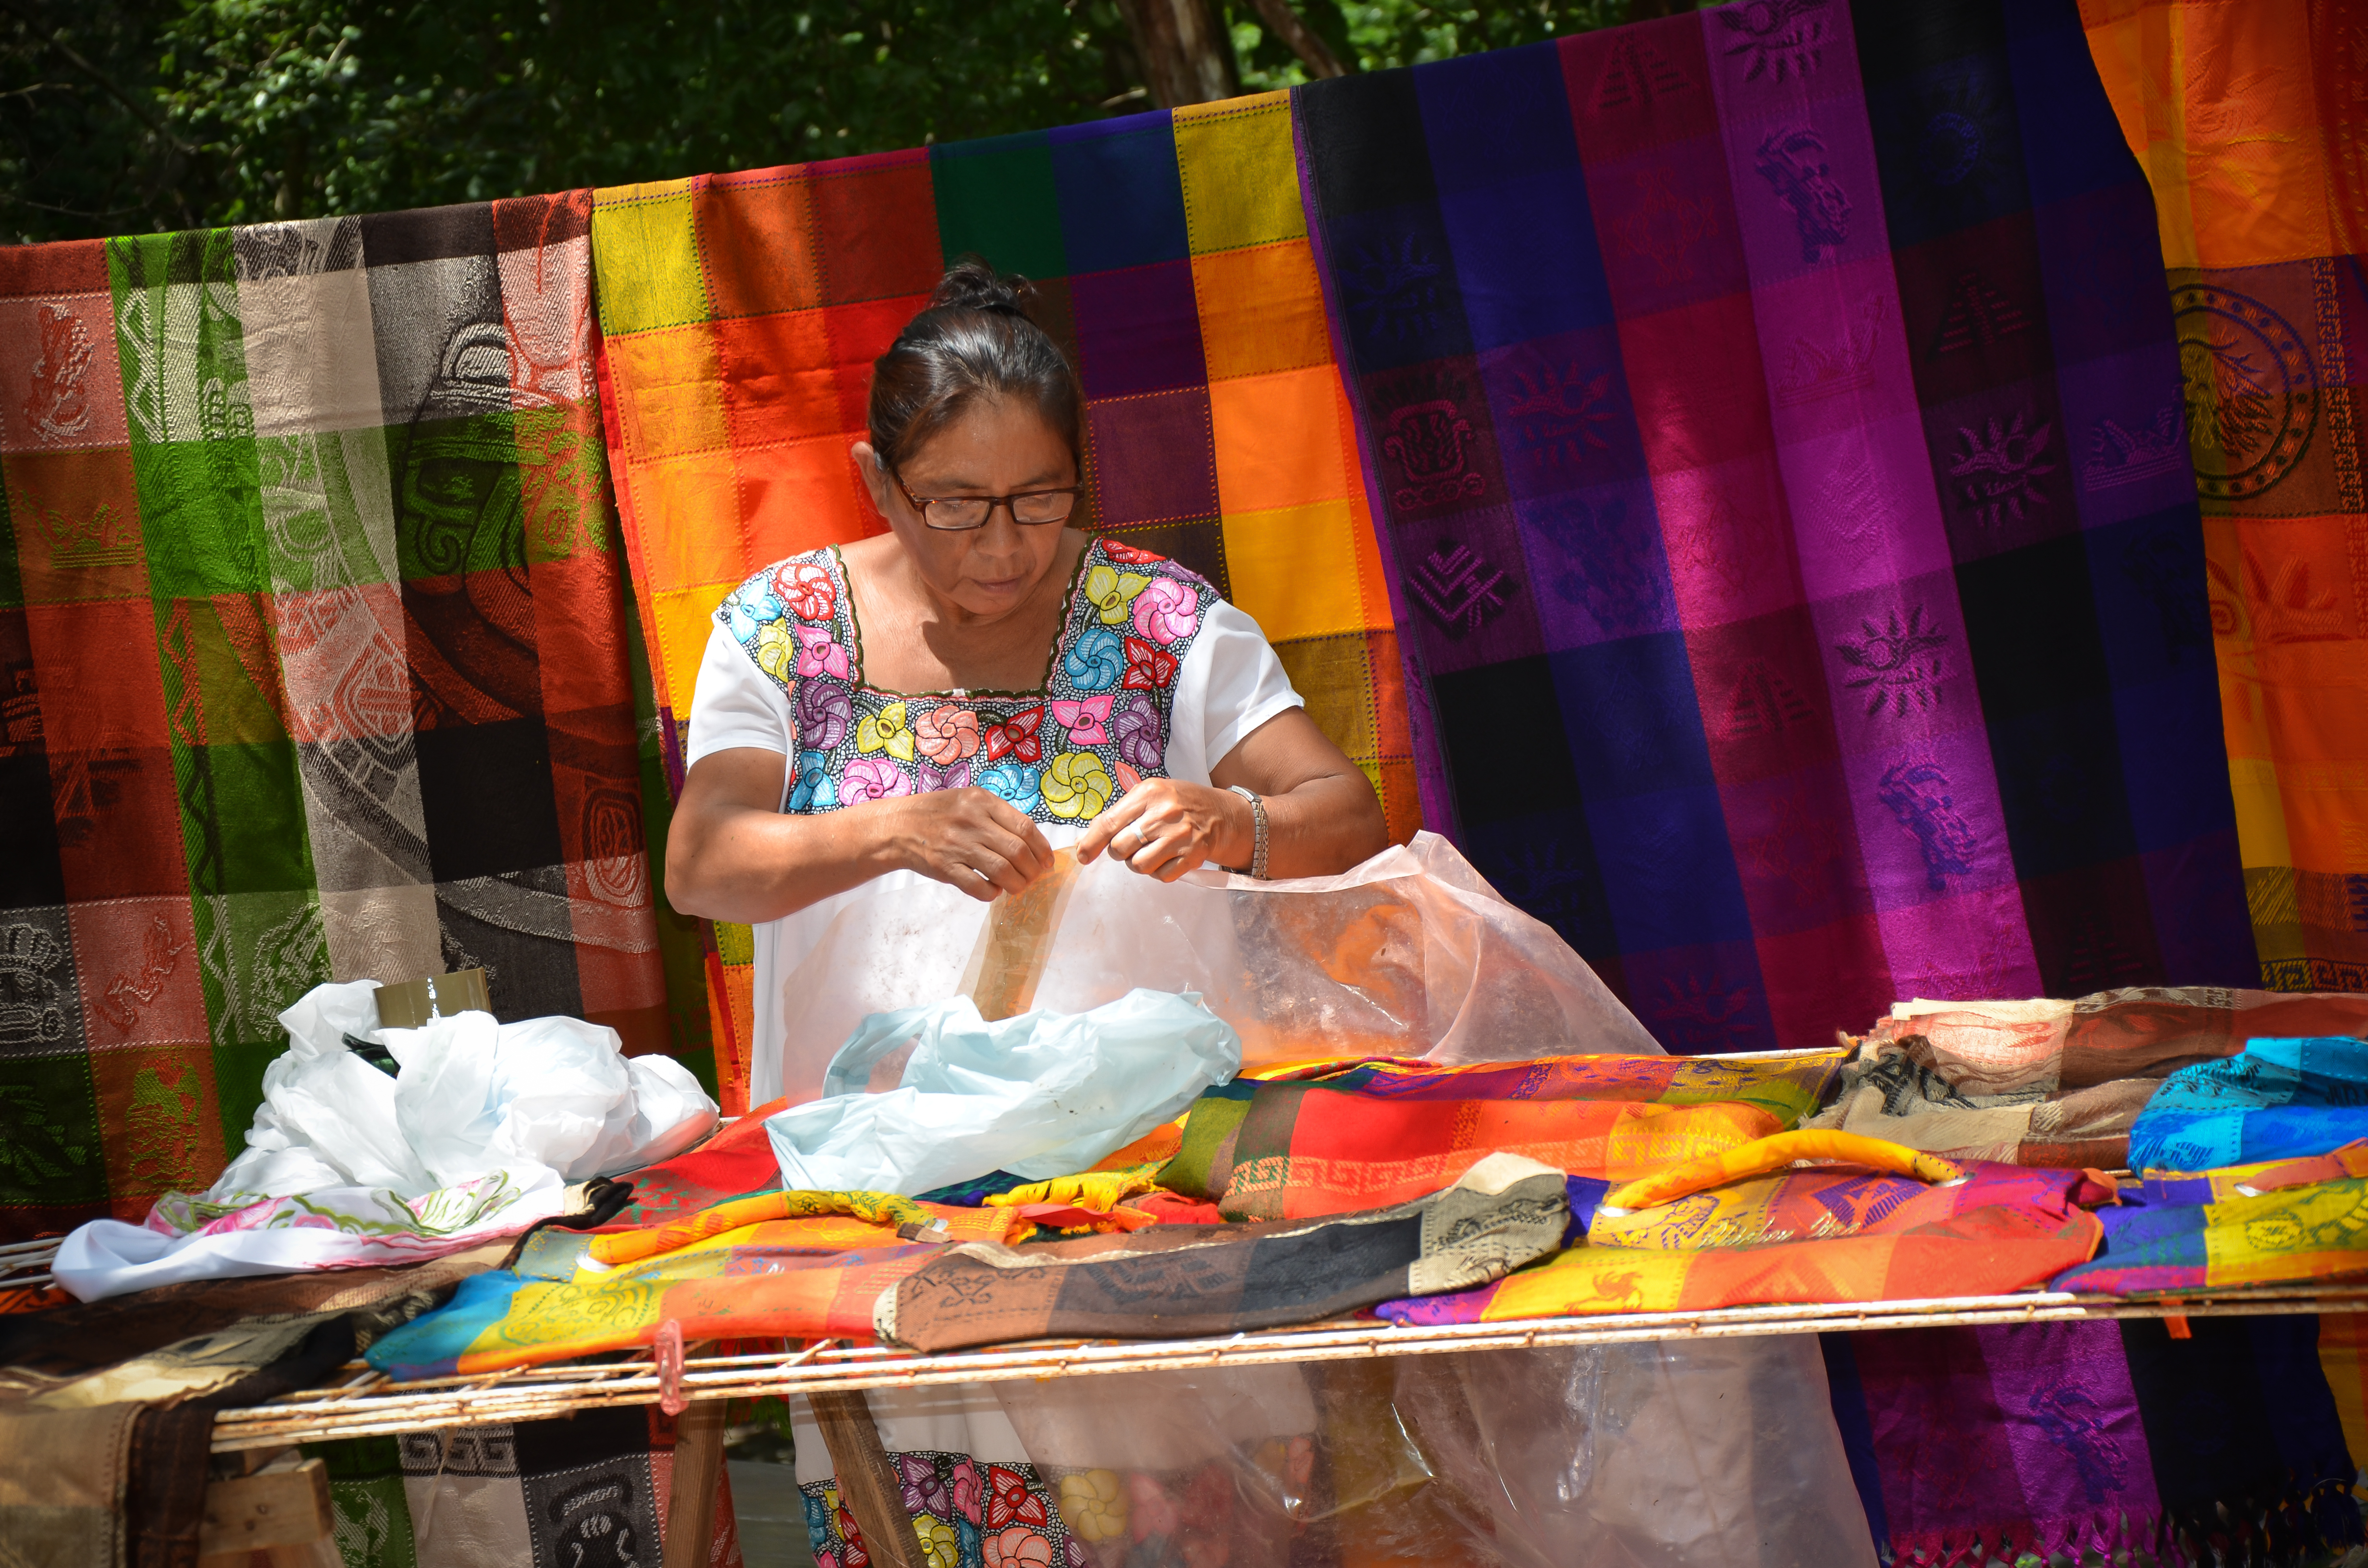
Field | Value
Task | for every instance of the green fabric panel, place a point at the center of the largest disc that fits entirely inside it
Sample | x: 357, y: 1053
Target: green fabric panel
x: 996, y: 197
x: 50, y: 1148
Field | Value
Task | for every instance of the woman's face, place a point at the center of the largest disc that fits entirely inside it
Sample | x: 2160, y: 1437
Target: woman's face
x: 995, y: 448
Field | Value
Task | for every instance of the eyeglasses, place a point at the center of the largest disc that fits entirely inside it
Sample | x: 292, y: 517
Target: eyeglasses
x: 960, y: 514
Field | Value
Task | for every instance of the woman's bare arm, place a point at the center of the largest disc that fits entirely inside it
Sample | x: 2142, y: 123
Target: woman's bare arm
x: 733, y: 854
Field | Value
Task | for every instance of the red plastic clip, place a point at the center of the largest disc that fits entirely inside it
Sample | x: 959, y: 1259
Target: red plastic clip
x: 667, y: 1351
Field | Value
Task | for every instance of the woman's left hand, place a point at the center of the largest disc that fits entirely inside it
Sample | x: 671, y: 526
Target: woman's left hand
x: 1164, y: 827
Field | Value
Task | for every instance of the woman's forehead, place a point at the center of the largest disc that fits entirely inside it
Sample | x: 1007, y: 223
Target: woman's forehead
x: 1003, y: 436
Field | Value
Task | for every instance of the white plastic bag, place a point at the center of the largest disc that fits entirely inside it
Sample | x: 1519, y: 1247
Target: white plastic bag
x: 1039, y: 1094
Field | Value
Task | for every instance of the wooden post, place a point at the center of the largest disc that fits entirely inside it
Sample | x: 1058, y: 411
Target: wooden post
x: 698, y: 1467
x: 1185, y: 59
x: 282, y: 1509
x: 869, y: 1486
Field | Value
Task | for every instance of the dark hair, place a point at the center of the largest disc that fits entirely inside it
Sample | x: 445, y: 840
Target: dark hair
x: 973, y: 341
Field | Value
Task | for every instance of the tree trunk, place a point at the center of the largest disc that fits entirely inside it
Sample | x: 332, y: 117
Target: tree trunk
x: 1185, y: 60
x: 1298, y: 37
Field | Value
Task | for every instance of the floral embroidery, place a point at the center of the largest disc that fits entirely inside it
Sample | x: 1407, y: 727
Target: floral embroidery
x: 1167, y: 611
x: 1013, y: 783
x: 939, y: 1546
x: 948, y: 733
x: 1112, y: 592
x: 1077, y: 785
x: 1084, y: 720
x: 1093, y: 1506
x: 1017, y: 1547
x: 923, y: 1493
x: 807, y: 588
x: 819, y: 653
x: 813, y: 791
x: 1095, y: 660
x: 1148, y: 667
x: 1133, y: 617
x: 964, y: 1513
x: 885, y: 732
x: 1016, y: 737
x: 969, y: 1490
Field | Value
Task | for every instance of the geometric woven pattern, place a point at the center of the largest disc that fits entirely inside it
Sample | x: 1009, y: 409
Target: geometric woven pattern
x: 314, y: 637
x: 741, y: 313
x: 1766, y: 408
x: 2249, y: 120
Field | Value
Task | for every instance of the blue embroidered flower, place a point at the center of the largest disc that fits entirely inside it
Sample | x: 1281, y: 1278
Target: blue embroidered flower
x: 813, y: 790
x: 818, y: 1534
x: 745, y: 612
x: 1012, y: 782
x: 1095, y: 660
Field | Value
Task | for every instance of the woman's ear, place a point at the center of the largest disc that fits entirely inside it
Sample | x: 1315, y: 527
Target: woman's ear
x: 876, y: 477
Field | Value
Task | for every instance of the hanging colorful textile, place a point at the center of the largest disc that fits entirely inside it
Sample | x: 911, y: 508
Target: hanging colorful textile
x: 1807, y: 1237
x: 313, y: 621
x: 1767, y: 410
x: 742, y: 313
x: 1972, y: 1445
x: 2247, y: 120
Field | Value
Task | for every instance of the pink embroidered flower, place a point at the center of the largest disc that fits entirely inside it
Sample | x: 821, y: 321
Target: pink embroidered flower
x: 1135, y: 725
x: 947, y: 734
x: 1152, y: 1510
x: 823, y: 715
x: 872, y: 779
x: 807, y: 589
x: 818, y: 653
x: 931, y: 777
x: 1017, y: 1547
x: 1084, y: 720
x: 970, y: 1492
x: 1167, y: 610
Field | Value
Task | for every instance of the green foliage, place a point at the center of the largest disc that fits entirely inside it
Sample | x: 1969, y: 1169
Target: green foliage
x: 121, y: 116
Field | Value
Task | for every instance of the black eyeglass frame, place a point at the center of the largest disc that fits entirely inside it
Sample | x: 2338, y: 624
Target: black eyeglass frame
x: 921, y: 505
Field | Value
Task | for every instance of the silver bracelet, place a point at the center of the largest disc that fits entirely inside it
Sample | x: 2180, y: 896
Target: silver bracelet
x: 1258, y: 821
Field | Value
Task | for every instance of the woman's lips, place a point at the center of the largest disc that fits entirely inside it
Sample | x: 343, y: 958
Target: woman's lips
x: 999, y: 585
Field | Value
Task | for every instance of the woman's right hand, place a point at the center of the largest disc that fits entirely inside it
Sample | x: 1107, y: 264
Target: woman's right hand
x: 972, y: 839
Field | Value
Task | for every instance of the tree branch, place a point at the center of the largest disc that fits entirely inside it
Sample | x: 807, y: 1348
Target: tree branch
x: 1284, y: 23
x: 107, y: 84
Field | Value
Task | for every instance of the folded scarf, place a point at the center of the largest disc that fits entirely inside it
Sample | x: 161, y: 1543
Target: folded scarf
x: 2260, y: 1224
x: 2278, y: 1099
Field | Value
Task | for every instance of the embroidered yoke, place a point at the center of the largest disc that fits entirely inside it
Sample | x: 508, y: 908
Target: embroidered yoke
x: 1098, y: 726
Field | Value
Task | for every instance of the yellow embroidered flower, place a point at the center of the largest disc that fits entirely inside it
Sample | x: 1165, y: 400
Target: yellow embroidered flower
x: 1077, y: 785
x: 1093, y: 1506
x: 776, y: 650
x: 887, y: 733
x: 939, y: 1546
x: 1114, y: 592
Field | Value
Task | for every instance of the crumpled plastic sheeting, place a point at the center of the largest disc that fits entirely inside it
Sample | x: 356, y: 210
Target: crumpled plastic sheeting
x: 1410, y: 954
x: 1706, y: 1454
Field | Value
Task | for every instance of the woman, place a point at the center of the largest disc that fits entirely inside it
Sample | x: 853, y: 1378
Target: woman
x: 956, y: 698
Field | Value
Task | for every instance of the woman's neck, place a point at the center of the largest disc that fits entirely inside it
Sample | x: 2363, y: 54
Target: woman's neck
x: 916, y: 639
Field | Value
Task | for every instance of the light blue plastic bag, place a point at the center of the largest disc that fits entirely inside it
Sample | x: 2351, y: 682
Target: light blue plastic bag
x: 1040, y: 1095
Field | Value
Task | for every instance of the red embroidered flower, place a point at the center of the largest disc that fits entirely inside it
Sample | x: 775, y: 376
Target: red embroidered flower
x: 1009, y: 1502
x: 1147, y: 668
x: 1128, y: 555
x: 807, y: 589
x: 1017, y: 736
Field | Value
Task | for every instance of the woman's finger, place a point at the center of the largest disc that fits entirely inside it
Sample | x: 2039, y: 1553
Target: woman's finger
x: 999, y: 875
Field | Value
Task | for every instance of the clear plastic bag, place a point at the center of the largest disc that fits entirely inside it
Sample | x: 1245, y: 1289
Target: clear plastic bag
x: 1039, y: 1094
x: 1410, y: 954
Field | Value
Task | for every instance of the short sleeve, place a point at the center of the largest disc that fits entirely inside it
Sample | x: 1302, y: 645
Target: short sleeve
x: 1231, y: 683
x: 735, y: 704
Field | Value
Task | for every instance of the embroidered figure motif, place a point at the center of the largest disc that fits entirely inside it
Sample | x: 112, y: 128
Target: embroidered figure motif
x: 1949, y: 149
x: 2001, y: 466
x: 1609, y: 565
x: 2252, y: 390
x: 161, y: 1129
x: 1563, y: 414
x: 1665, y: 226
x: 104, y: 538
x: 58, y: 404
x: 1764, y: 702
x: 1814, y: 371
x: 1776, y: 36
x: 1898, y: 662
x: 1797, y: 168
x: 2123, y: 456
x: 1702, y: 1011
x: 1396, y: 288
x: 2078, y: 1425
x: 128, y: 993
x: 1426, y: 441
x: 1977, y: 313
x: 32, y: 1011
x: 1918, y: 794
x: 1461, y: 590
x: 1635, y: 72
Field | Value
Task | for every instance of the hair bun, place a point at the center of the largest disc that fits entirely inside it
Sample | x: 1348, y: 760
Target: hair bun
x: 970, y: 284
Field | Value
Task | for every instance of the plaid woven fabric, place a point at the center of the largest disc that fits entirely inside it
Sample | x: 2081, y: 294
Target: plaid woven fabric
x: 314, y: 630
x: 742, y: 313
x: 2247, y: 120
x: 1767, y: 410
